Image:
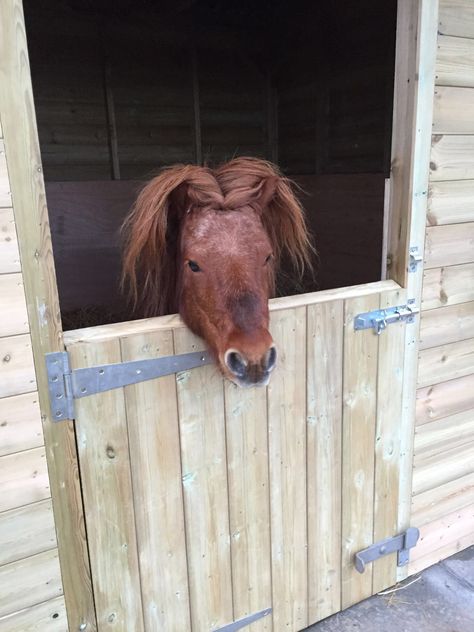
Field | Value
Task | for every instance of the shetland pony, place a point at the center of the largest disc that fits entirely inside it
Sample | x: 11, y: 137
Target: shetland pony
x: 208, y: 243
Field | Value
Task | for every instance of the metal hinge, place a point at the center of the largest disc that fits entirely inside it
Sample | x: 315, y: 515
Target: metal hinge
x: 415, y: 259
x: 241, y: 623
x: 66, y: 385
x: 401, y: 544
x: 380, y: 318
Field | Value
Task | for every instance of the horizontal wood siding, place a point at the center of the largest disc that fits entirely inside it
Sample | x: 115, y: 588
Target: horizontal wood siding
x: 443, y: 475
x: 450, y: 285
x: 30, y: 578
x: 451, y: 202
x: 49, y: 616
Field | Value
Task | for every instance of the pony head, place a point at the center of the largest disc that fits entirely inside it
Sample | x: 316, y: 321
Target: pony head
x: 208, y: 243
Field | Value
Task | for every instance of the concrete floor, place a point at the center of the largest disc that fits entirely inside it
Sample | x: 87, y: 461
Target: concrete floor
x: 442, y: 600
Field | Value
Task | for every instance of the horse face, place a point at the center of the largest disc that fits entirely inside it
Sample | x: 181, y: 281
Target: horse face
x: 207, y: 242
x: 226, y: 268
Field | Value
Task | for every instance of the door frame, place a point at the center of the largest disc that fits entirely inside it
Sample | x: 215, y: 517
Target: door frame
x: 411, y: 140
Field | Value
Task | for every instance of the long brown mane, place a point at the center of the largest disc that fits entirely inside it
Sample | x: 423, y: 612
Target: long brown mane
x: 152, y: 229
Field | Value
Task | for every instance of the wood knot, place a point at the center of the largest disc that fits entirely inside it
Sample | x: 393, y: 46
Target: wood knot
x: 110, y: 452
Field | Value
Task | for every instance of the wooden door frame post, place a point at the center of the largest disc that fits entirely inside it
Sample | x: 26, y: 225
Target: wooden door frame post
x: 22, y: 149
x: 416, y: 41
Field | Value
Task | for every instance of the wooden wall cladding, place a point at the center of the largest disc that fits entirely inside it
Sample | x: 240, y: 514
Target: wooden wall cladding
x: 443, y: 483
x: 30, y: 578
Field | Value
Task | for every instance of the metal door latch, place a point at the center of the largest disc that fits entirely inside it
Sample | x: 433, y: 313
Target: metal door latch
x: 401, y: 544
x: 380, y: 318
x: 415, y: 259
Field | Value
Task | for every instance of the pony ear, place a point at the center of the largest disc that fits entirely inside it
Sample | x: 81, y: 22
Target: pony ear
x: 283, y: 218
x: 150, y: 239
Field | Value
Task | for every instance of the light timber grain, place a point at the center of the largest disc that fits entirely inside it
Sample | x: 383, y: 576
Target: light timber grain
x: 444, y: 399
x: 49, y: 616
x: 23, y: 478
x: 14, y: 316
x: 448, y: 286
x: 453, y: 110
x: 204, y: 469
x: 29, y: 581
x: 452, y: 157
x: 26, y: 531
x: 442, y: 500
x: 9, y: 254
x: 446, y: 324
x: 431, y: 470
x: 358, y: 447
x: 451, y: 202
x: 387, y: 439
x: 422, y: 28
x: 249, y: 501
x: 152, y: 420
x: 20, y: 423
x: 455, y: 61
x: 447, y: 362
x: 456, y: 17
x: 449, y: 245
x: 5, y: 194
x: 443, y: 553
x: 406, y: 137
x: 324, y: 432
x: 445, y: 534
x: 445, y: 433
x: 108, y: 498
x: 287, y: 432
x: 17, y: 110
x: 17, y: 371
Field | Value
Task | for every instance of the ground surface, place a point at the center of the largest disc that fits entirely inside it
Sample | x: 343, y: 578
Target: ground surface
x: 441, y: 601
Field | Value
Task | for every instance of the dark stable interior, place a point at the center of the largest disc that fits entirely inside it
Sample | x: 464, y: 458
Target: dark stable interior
x: 124, y: 87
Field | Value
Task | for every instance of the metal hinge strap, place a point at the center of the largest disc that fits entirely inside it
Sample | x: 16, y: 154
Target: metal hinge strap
x: 66, y: 385
x: 401, y: 544
x: 241, y: 623
x: 380, y: 318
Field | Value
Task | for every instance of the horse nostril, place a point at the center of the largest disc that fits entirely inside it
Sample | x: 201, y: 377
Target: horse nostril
x: 270, y: 359
x: 236, y: 363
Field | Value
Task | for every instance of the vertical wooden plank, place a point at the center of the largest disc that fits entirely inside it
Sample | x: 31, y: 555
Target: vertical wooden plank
x: 324, y: 418
x: 358, y: 438
x: 105, y: 475
x: 387, y: 439
x: 402, y: 137
x: 31, y: 219
x: 249, y: 501
x: 426, y: 60
x: 287, y: 432
x: 152, y: 418
x: 203, y: 459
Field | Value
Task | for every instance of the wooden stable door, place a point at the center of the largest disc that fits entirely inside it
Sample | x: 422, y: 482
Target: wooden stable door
x: 206, y: 503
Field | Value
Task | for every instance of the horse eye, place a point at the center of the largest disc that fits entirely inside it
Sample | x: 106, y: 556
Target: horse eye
x: 194, y: 266
x: 269, y: 258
